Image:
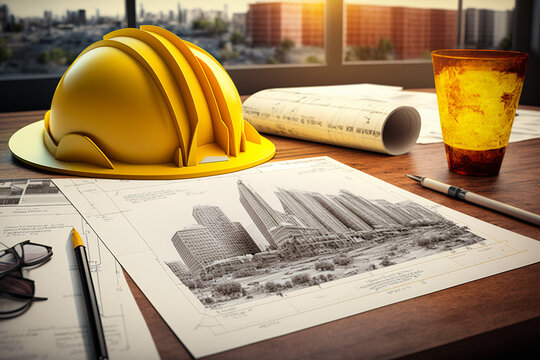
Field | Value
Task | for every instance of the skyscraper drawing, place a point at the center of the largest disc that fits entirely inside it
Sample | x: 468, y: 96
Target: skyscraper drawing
x: 308, y: 226
x: 232, y: 235
x: 311, y: 223
x: 314, y: 237
x: 366, y: 210
x: 261, y: 213
x: 340, y: 212
x: 215, y: 237
x: 197, y: 247
x: 311, y: 211
x: 178, y: 269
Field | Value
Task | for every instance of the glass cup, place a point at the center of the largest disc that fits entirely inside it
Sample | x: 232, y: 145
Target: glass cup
x: 478, y: 92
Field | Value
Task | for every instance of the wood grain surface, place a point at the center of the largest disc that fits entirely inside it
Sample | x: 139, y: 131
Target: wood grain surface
x: 498, y: 316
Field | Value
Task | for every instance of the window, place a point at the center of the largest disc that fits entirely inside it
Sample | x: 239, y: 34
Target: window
x: 487, y: 25
x: 44, y: 37
x: 393, y: 29
x: 262, y: 43
x: 388, y: 30
x: 244, y: 32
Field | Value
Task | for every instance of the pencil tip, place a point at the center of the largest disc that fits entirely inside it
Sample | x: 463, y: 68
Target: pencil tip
x: 414, y: 177
x: 76, y: 238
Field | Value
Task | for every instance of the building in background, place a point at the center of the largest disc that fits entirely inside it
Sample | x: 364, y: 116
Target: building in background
x: 77, y: 17
x: 443, y: 28
x: 48, y: 44
x: 313, y: 24
x: 238, y: 23
x: 366, y: 25
x: 4, y: 17
x: 486, y: 29
x: 268, y: 24
x: 405, y: 31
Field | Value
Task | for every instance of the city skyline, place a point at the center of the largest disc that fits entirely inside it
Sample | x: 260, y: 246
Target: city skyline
x: 265, y: 33
x: 28, y: 8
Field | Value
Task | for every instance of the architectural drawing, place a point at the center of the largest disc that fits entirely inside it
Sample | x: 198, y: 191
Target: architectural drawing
x: 214, y: 238
x: 35, y: 210
x: 239, y: 258
x: 332, y: 236
x: 34, y: 191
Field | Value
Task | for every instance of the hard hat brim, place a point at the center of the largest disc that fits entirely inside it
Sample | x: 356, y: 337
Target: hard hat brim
x: 27, y: 145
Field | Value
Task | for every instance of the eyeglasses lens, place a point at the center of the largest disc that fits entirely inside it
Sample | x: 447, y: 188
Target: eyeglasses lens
x: 8, y: 261
x: 33, y: 253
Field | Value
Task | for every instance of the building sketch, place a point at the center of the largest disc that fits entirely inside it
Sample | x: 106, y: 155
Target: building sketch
x: 238, y: 241
x: 316, y: 238
x: 178, y: 269
x: 28, y: 191
x: 197, y: 247
x: 214, y: 237
x: 312, y: 222
x: 11, y: 191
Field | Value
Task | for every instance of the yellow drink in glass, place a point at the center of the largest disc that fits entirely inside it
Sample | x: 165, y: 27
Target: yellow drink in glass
x: 477, y: 92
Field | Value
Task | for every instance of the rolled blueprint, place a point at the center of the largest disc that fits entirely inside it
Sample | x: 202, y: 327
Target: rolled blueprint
x: 318, y: 114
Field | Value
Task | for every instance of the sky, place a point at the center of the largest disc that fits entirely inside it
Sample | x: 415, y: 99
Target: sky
x: 25, y: 8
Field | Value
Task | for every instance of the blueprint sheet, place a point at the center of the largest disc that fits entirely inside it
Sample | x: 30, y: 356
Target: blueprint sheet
x: 345, y: 115
x: 57, y: 328
x: 235, y: 259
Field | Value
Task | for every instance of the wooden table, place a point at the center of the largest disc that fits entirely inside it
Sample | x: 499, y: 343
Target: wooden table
x: 495, y: 316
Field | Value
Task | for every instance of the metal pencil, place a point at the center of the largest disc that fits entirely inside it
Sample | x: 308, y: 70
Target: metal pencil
x: 469, y: 196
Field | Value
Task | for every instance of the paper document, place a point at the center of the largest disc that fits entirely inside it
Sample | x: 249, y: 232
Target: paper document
x: 338, y: 115
x: 243, y: 257
x: 57, y: 328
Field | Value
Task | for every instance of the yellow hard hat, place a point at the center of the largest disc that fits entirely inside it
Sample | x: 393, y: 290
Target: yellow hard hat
x: 143, y: 104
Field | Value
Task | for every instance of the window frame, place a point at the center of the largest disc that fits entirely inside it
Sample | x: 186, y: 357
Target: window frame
x: 32, y: 92
x: 406, y: 73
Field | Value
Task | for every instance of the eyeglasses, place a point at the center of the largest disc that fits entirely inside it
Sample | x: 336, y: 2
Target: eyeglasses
x: 23, y: 254
x: 17, y: 292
